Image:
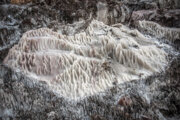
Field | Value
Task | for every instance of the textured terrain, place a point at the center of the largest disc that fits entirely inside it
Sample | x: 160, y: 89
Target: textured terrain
x: 88, y: 62
x: 147, y: 87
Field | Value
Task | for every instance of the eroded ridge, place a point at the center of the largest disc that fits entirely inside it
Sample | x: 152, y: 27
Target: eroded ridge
x: 89, y: 62
x: 172, y: 34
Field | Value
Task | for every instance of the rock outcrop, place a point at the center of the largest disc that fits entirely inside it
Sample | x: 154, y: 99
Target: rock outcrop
x: 164, y: 17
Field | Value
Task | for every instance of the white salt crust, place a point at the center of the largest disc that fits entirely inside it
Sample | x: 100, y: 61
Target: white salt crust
x: 89, y: 62
x: 157, y: 30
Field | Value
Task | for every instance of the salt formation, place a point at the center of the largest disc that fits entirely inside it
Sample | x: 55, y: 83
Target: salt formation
x: 159, y: 31
x: 86, y: 63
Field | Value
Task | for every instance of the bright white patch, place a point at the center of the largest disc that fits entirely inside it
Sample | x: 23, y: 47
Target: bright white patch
x: 89, y: 62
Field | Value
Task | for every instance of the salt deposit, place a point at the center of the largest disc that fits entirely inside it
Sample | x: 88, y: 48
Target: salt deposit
x: 89, y: 62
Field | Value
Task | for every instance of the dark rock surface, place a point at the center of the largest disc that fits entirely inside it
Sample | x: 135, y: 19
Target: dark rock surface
x: 168, y: 18
x: 155, y: 98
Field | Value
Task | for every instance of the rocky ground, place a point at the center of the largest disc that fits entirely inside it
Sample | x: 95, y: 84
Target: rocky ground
x: 154, y: 98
